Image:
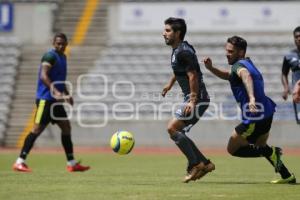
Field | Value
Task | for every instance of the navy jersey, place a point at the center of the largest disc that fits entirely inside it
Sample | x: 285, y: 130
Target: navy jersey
x: 184, y: 59
x: 266, y: 107
x: 291, y: 61
x: 58, y: 72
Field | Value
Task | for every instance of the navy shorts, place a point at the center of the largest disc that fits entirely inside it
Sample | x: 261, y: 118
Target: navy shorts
x: 48, y: 111
x: 194, y: 116
x: 251, y: 132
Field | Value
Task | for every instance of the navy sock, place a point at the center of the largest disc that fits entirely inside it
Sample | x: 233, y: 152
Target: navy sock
x: 198, y: 153
x: 28, y: 144
x: 257, y: 151
x: 185, y: 146
x: 68, y: 146
x: 284, y: 172
x: 253, y: 151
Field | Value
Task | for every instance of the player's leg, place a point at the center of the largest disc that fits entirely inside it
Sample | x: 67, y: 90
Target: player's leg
x: 273, y: 156
x: 175, y: 128
x: 201, y: 107
x: 236, y: 141
x: 72, y: 164
x: 66, y: 140
x: 257, y: 146
x: 176, y: 131
x: 41, y: 121
x: 61, y: 119
x: 270, y: 153
x: 243, y: 142
x: 196, y: 159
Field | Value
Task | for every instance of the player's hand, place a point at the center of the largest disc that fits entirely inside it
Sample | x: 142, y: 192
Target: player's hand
x: 189, y: 108
x: 165, y: 90
x: 252, y: 106
x: 207, y: 62
x: 69, y: 100
x: 57, y: 94
x: 285, y: 94
x: 62, y: 97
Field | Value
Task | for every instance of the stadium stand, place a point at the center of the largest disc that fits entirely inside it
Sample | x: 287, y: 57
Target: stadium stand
x: 81, y: 57
x: 144, y: 61
x: 9, y: 62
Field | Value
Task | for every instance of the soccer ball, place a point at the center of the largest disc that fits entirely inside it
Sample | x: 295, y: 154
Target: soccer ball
x: 122, y: 142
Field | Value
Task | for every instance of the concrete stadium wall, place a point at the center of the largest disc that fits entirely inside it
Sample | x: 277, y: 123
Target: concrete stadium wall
x: 153, y: 133
x: 33, y: 22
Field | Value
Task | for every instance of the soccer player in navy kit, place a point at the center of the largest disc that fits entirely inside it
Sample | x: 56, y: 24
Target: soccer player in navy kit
x: 50, y: 90
x: 196, y: 100
x: 291, y: 61
x: 249, y: 139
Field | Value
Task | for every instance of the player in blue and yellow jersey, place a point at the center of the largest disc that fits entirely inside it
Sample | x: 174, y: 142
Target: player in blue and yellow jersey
x: 249, y: 139
x: 186, y: 71
x: 291, y: 62
x: 51, y: 92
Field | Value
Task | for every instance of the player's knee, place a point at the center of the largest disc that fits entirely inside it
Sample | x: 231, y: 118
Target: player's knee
x: 66, y: 128
x: 171, y: 130
x: 230, y: 150
x: 66, y: 131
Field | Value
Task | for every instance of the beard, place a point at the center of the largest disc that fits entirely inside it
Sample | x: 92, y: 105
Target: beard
x: 230, y: 61
x: 169, y: 41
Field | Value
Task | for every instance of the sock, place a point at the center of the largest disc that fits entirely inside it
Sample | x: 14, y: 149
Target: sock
x: 284, y: 172
x: 28, y: 144
x: 184, y: 145
x: 71, y: 162
x: 198, y: 153
x: 68, y: 146
x: 20, y: 161
x: 265, y: 150
x: 253, y: 151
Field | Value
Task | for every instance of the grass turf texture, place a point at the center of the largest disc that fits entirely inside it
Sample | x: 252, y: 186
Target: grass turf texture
x: 146, y: 177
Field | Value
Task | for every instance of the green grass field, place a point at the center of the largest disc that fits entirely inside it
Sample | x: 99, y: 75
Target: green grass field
x: 142, y: 177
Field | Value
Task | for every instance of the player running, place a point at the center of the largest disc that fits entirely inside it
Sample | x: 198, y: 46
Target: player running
x: 196, y: 100
x: 249, y: 139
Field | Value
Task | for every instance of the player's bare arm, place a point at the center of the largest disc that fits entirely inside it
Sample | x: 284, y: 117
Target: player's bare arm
x: 221, y: 73
x: 194, y: 88
x: 285, y: 83
x: 244, y: 74
x: 168, y: 86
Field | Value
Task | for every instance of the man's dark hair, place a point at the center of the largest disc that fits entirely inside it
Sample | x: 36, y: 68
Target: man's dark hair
x: 60, y: 35
x: 297, y: 29
x: 238, y: 42
x: 177, y: 24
